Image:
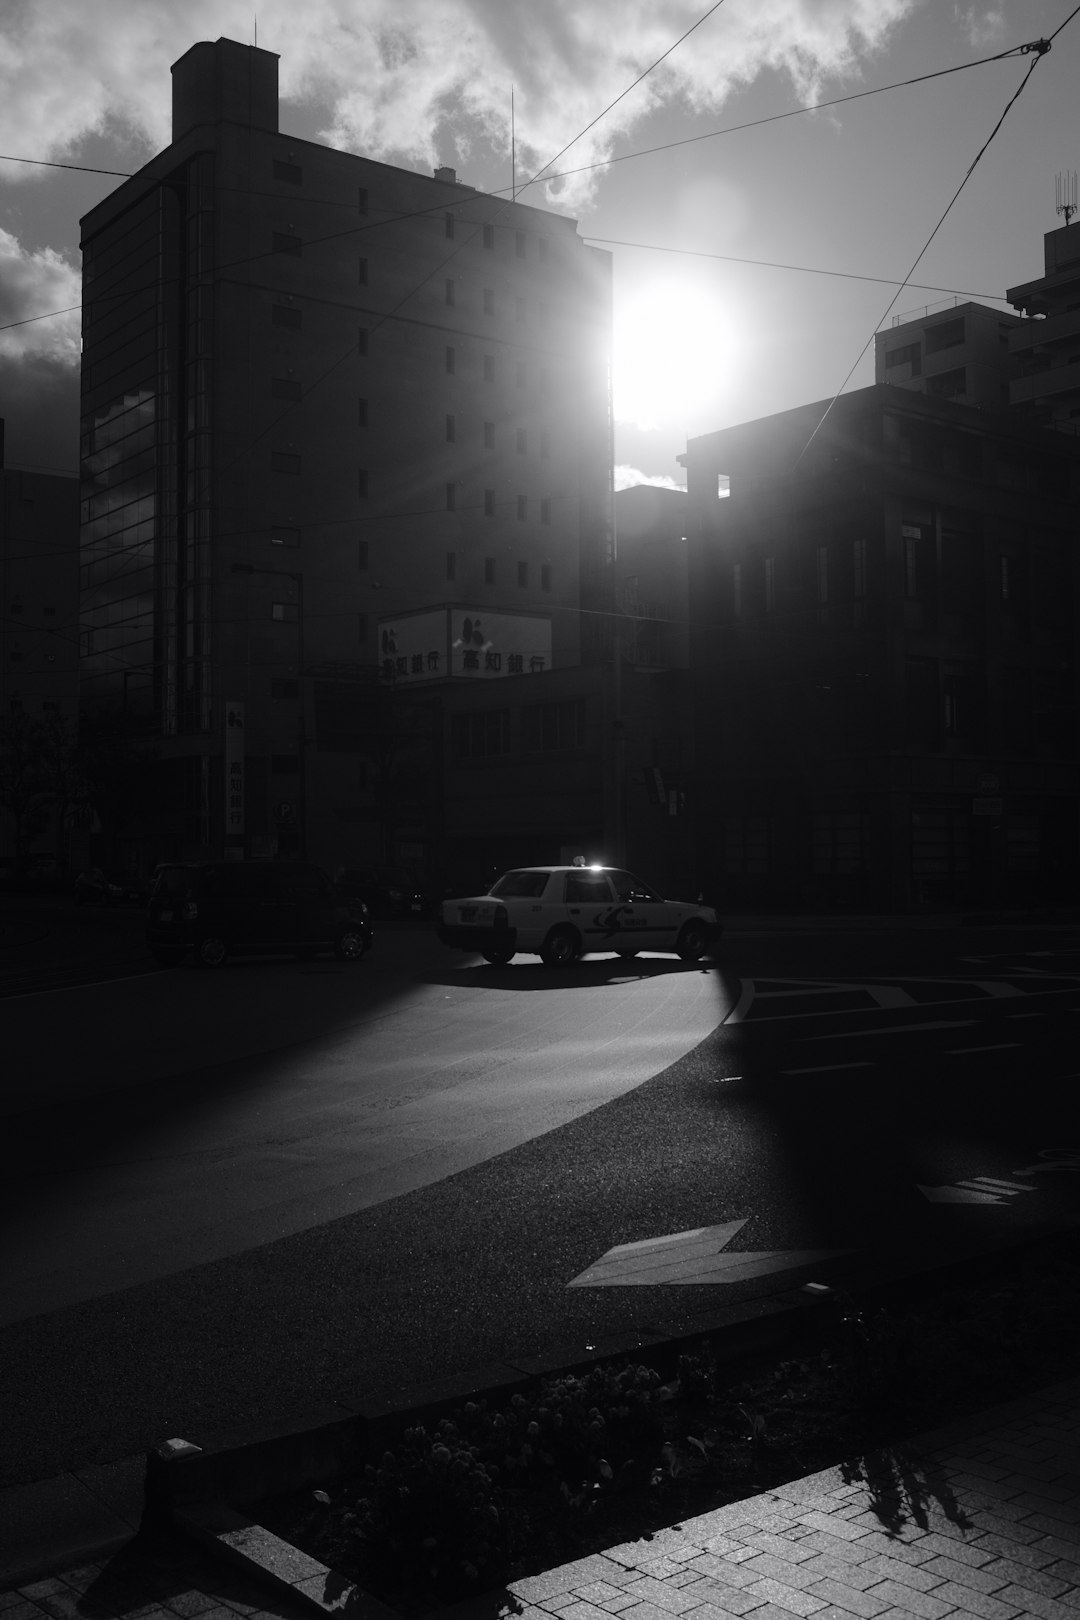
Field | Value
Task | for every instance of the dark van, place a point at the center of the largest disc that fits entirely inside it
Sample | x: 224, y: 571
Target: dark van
x: 215, y: 908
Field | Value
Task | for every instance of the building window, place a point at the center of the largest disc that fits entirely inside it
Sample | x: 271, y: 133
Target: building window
x: 522, y: 443
x: 291, y: 172
x: 736, y: 590
x: 545, y: 509
x: 519, y: 244
x: 909, y: 355
x: 522, y: 508
x: 449, y: 226
x: 362, y: 483
x: 286, y: 315
x: 362, y: 340
x: 489, y: 368
x: 822, y: 557
x: 284, y: 691
x: 551, y: 727
x: 449, y: 291
x: 361, y: 413
x: 285, y: 537
x: 946, y: 335
x: 451, y: 497
x: 361, y: 199
x: 362, y: 555
x: 489, y: 503
x: 523, y: 575
x: 545, y: 576
x: 284, y: 612
x: 283, y: 462
x: 1006, y: 572
x: 361, y: 271
x: 451, y: 560
x: 770, y: 584
x: 841, y: 843
x: 948, y: 384
x: 489, y: 236
x: 284, y: 243
x: 489, y: 570
x: 451, y: 361
x: 476, y: 736
x: 451, y: 430
x: 285, y: 388
x: 858, y: 568
x: 489, y: 301
x: 489, y: 435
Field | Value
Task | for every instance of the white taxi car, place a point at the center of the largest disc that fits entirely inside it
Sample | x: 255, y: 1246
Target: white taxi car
x: 563, y: 912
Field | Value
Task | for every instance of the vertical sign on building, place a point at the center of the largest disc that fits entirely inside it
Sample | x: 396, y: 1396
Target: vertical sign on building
x: 234, y: 778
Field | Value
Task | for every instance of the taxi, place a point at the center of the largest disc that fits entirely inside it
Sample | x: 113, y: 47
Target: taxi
x: 560, y: 913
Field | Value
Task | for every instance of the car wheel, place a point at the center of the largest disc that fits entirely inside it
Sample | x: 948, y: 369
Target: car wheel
x: 169, y: 956
x: 627, y: 955
x: 498, y: 957
x: 350, y: 946
x: 211, y: 951
x: 561, y: 947
x: 692, y: 942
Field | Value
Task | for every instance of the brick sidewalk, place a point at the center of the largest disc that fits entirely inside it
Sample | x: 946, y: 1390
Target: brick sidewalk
x: 978, y: 1520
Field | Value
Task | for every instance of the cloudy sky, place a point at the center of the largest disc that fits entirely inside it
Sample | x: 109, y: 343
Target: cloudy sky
x: 721, y: 236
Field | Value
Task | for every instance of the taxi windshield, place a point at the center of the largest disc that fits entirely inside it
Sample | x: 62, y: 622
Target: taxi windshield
x: 523, y: 885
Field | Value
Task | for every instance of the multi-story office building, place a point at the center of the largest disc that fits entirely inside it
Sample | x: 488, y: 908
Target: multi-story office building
x: 1046, y: 347
x: 346, y: 438
x: 884, y: 622
x: 956, y: 351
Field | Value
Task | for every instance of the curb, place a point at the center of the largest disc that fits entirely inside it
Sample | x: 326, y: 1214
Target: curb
x: 190, y: 1486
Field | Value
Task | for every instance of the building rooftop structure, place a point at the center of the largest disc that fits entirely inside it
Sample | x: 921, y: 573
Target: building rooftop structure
x: 1046, y: 347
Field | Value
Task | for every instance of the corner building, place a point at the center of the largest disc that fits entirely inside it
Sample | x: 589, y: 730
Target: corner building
x: 883, y: 626
x: 329, y: 406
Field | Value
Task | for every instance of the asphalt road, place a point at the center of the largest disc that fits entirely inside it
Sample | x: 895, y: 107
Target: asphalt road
x: 869, y: 1101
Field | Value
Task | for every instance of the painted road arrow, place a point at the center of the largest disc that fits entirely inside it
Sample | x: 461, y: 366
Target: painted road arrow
x: 692, y: 1257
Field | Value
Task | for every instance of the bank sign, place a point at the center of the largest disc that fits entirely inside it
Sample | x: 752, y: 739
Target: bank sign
x: 466, y: 642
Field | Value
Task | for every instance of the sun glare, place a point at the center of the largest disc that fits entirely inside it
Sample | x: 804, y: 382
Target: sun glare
x: 673, y: 359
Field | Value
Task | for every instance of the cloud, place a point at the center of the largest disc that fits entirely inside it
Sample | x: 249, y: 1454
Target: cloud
x: 984, y: 25
x: 628, y: 477
x: 424, y: 81
x: 31, y: 284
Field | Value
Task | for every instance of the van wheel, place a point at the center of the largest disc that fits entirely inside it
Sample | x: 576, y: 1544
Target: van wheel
x: 349, y: 946
x: 211, y: 951
x: 497, y: 956
x: 561, y: 947
x: 692, y: 942
x: 626, y: 955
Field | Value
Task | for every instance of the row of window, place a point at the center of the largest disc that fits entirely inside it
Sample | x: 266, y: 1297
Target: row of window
x: 958, y: 572
x: 545, y: 728
x: 490, y: 571
x: 292, y: 174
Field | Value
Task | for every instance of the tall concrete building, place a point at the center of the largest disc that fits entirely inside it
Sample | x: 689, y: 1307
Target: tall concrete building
x: 1046, y: 347
x: 346, y: 440
x: 958, y: 351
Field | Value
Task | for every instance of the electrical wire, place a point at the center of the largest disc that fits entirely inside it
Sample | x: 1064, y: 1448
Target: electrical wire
x: 1040, y: 48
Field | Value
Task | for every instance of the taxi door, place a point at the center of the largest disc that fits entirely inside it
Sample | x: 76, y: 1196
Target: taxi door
x: 646, y: 920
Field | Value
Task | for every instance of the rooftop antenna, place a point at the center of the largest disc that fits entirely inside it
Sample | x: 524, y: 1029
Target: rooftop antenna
x: 1065, y: 195
x: 513, y: 149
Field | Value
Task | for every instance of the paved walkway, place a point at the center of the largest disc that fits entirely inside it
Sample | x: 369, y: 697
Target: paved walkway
x: 980, y: 1519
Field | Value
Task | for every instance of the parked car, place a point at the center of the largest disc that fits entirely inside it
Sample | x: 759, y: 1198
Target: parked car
x: 214, y: 909
x: 563, y: 912
x: 94, y: 886
x: 387, y: 891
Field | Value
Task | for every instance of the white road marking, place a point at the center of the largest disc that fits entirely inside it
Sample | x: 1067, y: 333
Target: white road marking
x: 997, y: 1046
x: 958, y: 1195
x: 891, y: 1029
x: 821, y: 1068
x: 689, y: 1258
x: 995, y: 1183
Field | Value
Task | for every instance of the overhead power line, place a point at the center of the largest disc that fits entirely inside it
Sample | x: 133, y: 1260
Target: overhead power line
x: 1040, y: 49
